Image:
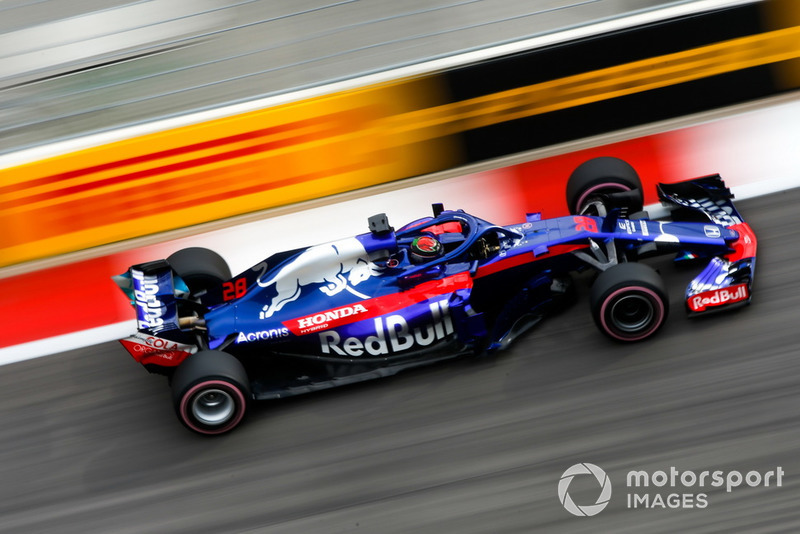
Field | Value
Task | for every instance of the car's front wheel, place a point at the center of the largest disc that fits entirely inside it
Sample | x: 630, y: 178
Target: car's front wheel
x: 629, y: 302
x: 210, y: 392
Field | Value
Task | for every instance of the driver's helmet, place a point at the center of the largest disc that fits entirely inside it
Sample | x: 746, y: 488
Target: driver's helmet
x: 425, y: 248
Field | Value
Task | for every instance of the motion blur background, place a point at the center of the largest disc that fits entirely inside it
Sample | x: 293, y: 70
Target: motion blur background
x: 131, y: 129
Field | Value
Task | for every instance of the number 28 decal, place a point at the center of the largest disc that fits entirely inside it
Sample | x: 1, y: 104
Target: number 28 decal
x: 234, y: 289
x: 585, y: 224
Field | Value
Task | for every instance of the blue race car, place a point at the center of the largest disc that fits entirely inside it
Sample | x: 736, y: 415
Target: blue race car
x: 440, y: 287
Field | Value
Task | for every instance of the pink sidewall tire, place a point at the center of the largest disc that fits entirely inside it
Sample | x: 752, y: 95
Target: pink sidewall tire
x: 201, y: 268
x: 599, y: 176
x: 210, y: 392
x: 629, y: 302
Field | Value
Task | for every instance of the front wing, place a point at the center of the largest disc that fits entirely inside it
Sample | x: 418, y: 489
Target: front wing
x: 726, y: 282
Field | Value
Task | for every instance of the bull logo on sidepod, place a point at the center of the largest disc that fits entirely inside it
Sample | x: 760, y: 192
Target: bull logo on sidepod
x: 336, y: 266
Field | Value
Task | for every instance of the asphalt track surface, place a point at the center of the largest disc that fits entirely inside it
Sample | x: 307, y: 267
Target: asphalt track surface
x: 90, y: 443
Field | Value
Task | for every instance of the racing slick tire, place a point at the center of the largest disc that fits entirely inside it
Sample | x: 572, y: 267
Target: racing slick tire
x: 210, y: 392
x: 200, y: 268
x: 629, y: 302
x: 602, y: 176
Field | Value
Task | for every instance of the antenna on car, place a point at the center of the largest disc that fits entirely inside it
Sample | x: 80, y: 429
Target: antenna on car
x: 438, y: 208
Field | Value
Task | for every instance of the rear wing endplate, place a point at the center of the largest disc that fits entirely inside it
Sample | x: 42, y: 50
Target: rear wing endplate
x: 153, y: 289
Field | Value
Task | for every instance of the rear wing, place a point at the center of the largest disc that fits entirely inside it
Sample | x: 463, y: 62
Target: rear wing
x: 726, y: 282
x: 154, y: 291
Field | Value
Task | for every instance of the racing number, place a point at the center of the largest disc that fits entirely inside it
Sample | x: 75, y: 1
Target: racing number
x: 234, y: 289
x: 585, y: 224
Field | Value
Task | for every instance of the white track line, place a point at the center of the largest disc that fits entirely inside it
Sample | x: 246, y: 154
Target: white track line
x: 74, y: 340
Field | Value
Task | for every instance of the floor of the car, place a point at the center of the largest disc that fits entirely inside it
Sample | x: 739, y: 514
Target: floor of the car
x: 286, y: 376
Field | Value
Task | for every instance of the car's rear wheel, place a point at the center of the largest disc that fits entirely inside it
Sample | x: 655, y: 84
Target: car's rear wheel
x: 210, y: 392
x: 629, y: 302
x: 200, y: 268
x: 591, y: 182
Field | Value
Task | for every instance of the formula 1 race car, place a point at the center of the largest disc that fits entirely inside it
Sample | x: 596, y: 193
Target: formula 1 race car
x: 440, y: 287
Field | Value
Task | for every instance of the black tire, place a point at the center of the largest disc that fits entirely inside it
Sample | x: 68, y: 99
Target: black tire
x: 629, y: 302
x: 210, y: 392
x: 200, y: 268
x: 600, y: 176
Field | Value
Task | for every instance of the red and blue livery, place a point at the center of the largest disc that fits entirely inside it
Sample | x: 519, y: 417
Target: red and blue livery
x: 444, y: 286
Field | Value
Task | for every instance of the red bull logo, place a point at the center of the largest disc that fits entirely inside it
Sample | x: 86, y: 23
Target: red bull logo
x: 392, y: 335
x: 718, y: 297
x: 333, y: 268
x: 145, y: 290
